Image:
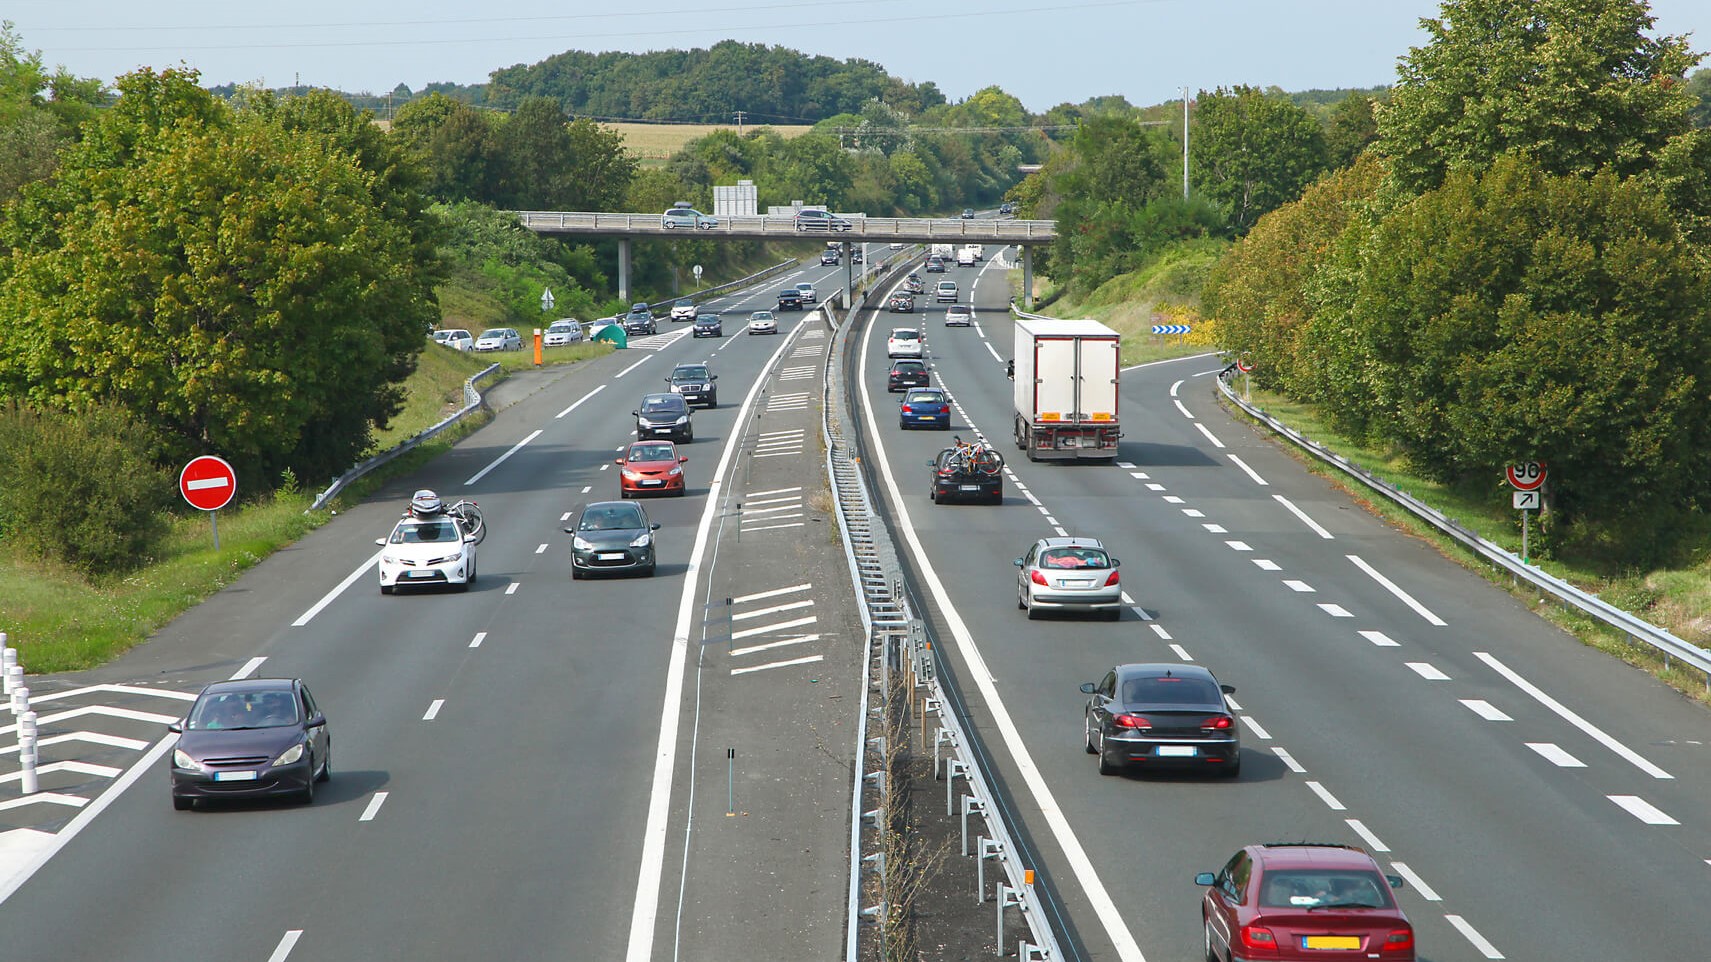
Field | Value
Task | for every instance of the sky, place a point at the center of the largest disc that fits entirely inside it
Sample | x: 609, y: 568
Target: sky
x: 1043, y: 52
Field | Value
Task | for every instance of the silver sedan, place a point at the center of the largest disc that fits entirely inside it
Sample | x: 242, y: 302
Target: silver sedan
x: 1068, y: 574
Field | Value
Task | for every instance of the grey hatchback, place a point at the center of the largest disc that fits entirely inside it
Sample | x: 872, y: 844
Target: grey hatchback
x: 612, y: 536
x: 257, y: 737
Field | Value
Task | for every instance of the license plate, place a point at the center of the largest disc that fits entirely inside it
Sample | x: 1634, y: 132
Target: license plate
x: 1068, y: 583
x: 610, y: 556
x: 1176, y: 751
x: 647, y: 482
x: 234, y: 776
x: 420, y: 574
x: 968, y: 487
x: 1330, y: 942
x: 928, y: 417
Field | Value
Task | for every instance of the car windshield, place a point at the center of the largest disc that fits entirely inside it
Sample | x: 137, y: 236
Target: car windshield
x: 1074, y: 558
x: 761, y: 316
x: 1320, y: 888
x: 652, y: 452
x: 562, y: 327
x: 1171, y: 691
x: 611, y: 518
x: 696, y: 373
x: 685, y: 302
x: 493, y: 332
x: 905, y: 335
x: 663, y: 404
x: 924, y: 397
x: 243, y: 709
x: 804, y: 287
x: 425, y: 532
x: 908, y: 367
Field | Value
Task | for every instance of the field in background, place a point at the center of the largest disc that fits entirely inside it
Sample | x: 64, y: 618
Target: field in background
x: 653, y: 144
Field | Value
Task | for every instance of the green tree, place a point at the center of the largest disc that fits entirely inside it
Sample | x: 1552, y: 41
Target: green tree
x: 238, y: 285
x: 1578, y: 85
x: 1699, y: 87
x: 1350, y: 128
x: 1252, y: 152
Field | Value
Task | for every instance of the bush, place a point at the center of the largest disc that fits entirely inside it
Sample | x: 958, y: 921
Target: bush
x: 81, y: 488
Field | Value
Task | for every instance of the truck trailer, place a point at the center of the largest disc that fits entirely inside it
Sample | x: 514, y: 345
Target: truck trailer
x: 1066, y: 389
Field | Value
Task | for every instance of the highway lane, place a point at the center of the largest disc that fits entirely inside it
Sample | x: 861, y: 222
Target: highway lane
x: 516, y: 772
x: 1407, y: 739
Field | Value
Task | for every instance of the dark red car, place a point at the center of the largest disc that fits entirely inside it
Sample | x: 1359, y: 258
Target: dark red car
x: 651, y: 467
x: 1294, y: 901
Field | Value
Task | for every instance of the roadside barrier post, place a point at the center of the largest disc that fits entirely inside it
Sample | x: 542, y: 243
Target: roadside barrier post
x: 20, y: 694
x: 8, y: 661
x: 1007, y: 896
x: 27, y: 752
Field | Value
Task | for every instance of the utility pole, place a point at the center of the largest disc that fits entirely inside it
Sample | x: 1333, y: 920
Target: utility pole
x: 1185, y: 143
x: 740, y: 115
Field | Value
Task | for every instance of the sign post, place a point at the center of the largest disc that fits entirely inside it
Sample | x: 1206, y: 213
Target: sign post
x: 1527, y: 478
x: 208, y: 483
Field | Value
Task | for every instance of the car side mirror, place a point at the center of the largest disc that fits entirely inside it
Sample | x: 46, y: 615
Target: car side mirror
x: 1205, y: 878
x: 1116, y: 563
x: 932, y: 464
x: 1088, y: 688
x: 654, y: 526
x: 380, y: 541
x: 683, y: 459
x: 714, y: 378
x: 617, y: 460
x: 1394, y: 880
x: 1017, y: 562
x: 176, y: 726
x: 635, y: 414
x: 1227, y: 689
x: 316, y: 720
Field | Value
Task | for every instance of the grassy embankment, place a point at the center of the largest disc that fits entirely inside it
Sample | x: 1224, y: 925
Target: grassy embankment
x: 653, y: 144
x: 1168, y: 286
x: 63, y: 622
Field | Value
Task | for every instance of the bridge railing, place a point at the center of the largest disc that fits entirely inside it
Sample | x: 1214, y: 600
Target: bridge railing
x: 920, y: 229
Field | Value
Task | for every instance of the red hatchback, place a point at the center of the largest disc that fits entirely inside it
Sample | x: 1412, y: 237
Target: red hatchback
x: 1293, y: 901
x: 651, y: 467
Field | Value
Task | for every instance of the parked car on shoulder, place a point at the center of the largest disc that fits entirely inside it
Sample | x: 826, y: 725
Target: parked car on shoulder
x: 611, y: 537
x: 499, y: 339
x: 810, y: 219
x: 456, y: 338
x: 562, y: 332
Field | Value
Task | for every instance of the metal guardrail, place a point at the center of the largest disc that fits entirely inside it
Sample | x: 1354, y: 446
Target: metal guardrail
x: 471, y: 401
x: 712, y: 292
x: 921, y: 229
x: 1630, y: 624
x: 896, y: 638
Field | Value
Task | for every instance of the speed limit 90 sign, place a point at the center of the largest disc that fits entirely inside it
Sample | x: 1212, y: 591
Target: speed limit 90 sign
x: 1526, y: 476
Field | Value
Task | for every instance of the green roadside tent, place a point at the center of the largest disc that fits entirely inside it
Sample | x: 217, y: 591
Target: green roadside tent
x: 615, y: 334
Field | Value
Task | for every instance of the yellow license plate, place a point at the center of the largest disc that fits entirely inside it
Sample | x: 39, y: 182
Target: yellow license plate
x: 1330, y: 942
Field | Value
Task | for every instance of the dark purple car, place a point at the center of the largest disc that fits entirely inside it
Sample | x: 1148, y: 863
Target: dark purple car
x: 247, y: 739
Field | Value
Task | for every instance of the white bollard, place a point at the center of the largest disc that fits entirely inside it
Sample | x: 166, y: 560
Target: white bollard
x: 20, y: 698
x: 27, y: 753
x: 9, y: 663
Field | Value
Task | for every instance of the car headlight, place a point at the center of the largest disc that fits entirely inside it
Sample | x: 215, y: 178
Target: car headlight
x: 642, y: 540
x: 675, y: 471
x: 581, y: 544
x: 387, y: 559
x: 682, y: 420
x: 182, y: 760
x: 446, y: 560
x: 631, y: 475
x: 290, y: 756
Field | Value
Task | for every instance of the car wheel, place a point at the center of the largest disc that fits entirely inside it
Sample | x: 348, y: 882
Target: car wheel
x: 471, y: 579
x: 1235, y: 768
x: 180, y: 804
x: 326, y: 765
x: 1021, y: 603
x: 648, y: 572
x: 385, y: 589
x: 1211, y: 956
x: 624, y: 493
x: 1087, y: 725
x: 575, y: 574
x: 1106, y: 766
x: 307, y: 795
x: 1115, y: 614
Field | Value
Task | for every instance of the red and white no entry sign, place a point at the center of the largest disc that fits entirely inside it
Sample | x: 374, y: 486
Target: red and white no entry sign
x: 1526, y: 476
x: 1244, y: 364
x: 208, y: 483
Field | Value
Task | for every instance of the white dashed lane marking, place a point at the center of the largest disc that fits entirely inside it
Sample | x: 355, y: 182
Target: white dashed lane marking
x: 1427, y: 671
x: 1380, y: 639
x: 1556, y: 755
x: 1485, y: 709
x: 1326, y: 797
x: 1643, y: 810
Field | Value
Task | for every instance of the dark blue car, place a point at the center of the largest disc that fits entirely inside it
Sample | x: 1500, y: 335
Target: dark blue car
x: 925, y: 408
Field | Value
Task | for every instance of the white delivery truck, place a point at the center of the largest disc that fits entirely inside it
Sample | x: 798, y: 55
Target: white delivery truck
x: 946, y: 252
x: 1066, y: 389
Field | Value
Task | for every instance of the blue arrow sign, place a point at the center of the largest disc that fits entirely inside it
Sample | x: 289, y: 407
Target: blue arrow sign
x: 1170, y: 328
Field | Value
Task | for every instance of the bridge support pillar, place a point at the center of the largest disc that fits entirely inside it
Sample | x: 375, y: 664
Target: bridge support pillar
x: 624, y: 269
x: 1027, y: 277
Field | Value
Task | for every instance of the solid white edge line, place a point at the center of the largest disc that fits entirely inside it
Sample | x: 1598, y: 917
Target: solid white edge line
x: 248, y: 668
x: 339, y: 589
x: 1468, y: 932
x: 1566, y: 714
x: 502, y: 458
x: 1238, y: 462
x: 644, y: 914
x: 1309, y: 522
x: 1419, y: 884
x: 1396, y: 590
x: 578, y: 402
x: 286, y: 944
x: 1104, y: 906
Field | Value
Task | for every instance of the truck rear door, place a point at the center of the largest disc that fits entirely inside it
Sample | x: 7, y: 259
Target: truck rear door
x: 1054, y: 379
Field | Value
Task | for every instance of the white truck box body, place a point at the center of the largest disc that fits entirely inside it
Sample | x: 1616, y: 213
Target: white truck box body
x: 1066, y: 388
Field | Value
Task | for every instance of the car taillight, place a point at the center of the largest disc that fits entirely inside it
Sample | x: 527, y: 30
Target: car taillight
x: 1399, y: 940
x: 1131, y: 721
x: 1218, y: 723
x: 908, y: 410
x: 1037, y: 578
x: 1111, y: 580
x: 1258, y: 937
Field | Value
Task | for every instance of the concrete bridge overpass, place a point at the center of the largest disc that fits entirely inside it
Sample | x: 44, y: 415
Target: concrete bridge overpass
x: 870, y: 230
